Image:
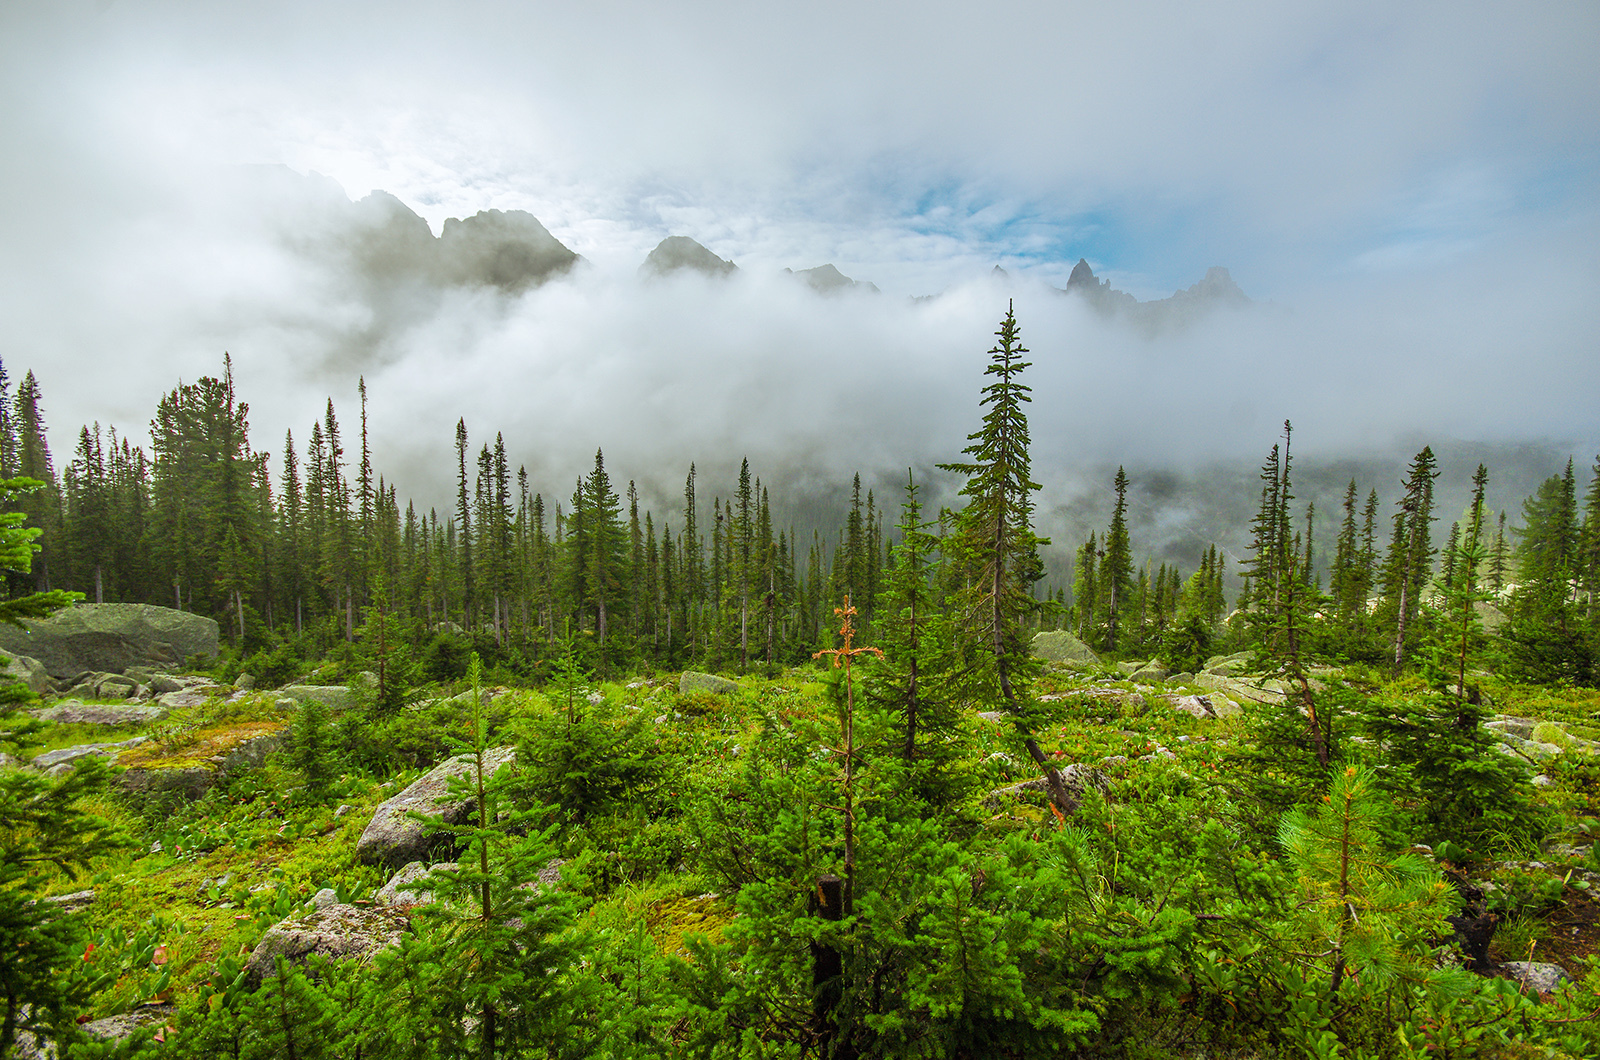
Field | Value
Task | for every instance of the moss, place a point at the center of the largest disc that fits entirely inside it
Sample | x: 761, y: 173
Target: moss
x: 196, y: 746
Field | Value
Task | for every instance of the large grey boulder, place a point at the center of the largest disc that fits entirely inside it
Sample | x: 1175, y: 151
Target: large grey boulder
x: 27, y: 670
x: 691, y: 681
x: 110, y: 638
x: 336, y: 931
x: 1060, y: 648
x: 393, y: 837
x: 194, y: 779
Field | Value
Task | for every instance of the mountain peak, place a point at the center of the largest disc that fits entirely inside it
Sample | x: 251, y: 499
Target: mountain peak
x: 680, y: 252
x: 826, y: 279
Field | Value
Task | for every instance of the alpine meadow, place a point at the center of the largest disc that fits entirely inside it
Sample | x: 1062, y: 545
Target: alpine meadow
x: 726, y: 531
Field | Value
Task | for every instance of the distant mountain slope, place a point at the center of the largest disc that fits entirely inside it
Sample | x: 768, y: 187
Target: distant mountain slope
x: 1216, y: 290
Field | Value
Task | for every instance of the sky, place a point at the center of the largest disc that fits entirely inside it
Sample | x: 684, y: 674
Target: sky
x: 1409, y: 193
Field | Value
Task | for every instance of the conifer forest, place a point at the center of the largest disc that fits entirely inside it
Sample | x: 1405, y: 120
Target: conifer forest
x: 292, y: 766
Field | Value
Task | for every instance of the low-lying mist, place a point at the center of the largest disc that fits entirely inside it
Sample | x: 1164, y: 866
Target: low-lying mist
x: 1481, y: 361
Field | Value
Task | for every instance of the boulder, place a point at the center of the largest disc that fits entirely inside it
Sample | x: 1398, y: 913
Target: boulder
x: 334, y: 697
x: 692, y: 681
x: 66, y: 756
x: 395, y: 892
x: 232, y: 754
x: 110, y: 638
x: 1128, y: 669
x: 1236, y: 689
x: 1077, y: 779
x: 1151, y: 673
x: 1536, y: 976
x: 1227, y: 665
x: 1194, y: 706
x: 106, y: 686
x: 74, y: 712
x: 27, y: 670
x: 337, y: 931
x: 1060, y: 648
x: 394, y: 838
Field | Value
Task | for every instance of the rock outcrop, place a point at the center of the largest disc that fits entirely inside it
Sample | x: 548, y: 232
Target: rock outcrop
x: 1060, y: 648
x: 394, y: 838
x: 109, y: 638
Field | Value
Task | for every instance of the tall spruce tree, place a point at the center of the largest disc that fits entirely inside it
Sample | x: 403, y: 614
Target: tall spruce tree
x: 996, y: 549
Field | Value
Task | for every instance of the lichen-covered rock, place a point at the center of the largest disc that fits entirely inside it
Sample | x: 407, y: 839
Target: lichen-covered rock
x: 1228, y: 665
x: 334, y: 697
x: 394, y: 838
x: 1151, y: 672
x: 220, y: 755
x: 110, y: 638
x: 691, y: 681
x: 337, y: 932
x: 27, y: 670
x: 1236, y: 689
x: 1060, y: 648
x: 74, y: 712
x: 1536, y: 976
x: 1077, y: 779
x: 396, y: 891
x: 68, y: 755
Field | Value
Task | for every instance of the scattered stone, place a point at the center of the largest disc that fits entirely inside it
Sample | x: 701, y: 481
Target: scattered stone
x: 1521, y: 728
x: 1182, y: 678
x: 1541, y: 781
x: 1151, y: 672
x: 343, y: 809
x: 1114, y: 760
x: 339, y: 932
x: 550, y: 875
x: 1194, y: 706
x: 1060, y: 648
x: 110, y: 638
x: 1236, y: 689
x: 75, y: 902
x: 325, y: 898
x: 76, y: 712
x: 693, y: 681
x: 245, y: 681
x: 186, y: 697
x: 1128, y: 669
x: 994, y: 716
x: 1536, y: 976
x: 595, y: 698
x: 394, y: 838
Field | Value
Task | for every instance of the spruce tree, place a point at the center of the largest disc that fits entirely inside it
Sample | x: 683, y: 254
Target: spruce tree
x: 1409, y: 563
x: 996, y: 549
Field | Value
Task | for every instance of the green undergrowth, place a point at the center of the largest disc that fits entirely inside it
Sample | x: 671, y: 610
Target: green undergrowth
x: 694, y: 827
